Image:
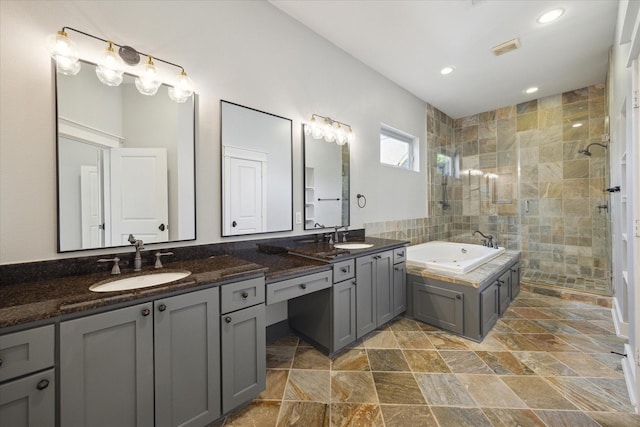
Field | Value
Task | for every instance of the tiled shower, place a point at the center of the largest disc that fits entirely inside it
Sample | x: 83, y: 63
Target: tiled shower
x: 522, y: 178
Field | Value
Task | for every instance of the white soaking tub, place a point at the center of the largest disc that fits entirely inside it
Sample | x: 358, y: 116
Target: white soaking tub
x: 449, y: 256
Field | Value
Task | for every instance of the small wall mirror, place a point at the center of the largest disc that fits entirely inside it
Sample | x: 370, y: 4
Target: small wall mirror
x: 125, y: 164
x: 257, y: 175
x: 326, y: 183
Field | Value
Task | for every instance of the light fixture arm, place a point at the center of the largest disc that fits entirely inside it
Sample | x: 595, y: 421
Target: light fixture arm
x: 122, y: 46
x: 331, y: 121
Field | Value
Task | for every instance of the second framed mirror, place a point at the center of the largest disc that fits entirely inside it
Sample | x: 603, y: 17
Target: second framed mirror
x: 326, y: 183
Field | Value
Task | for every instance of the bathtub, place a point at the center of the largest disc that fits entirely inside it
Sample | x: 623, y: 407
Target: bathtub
x: 450, y: 256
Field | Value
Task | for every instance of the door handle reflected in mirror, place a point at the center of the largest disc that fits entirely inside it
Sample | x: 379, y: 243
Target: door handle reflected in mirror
x: 161, y: 227
x: 233, y: 224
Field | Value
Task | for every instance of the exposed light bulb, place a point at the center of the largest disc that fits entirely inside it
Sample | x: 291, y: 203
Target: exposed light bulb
x: 350, y: 136
x: 328, y: 131
x: 64, y: 51
x: 183, y: 88
x: 316, y: 129
x: 341, y: 135
x: 147, y: 83
x: 111, y: 67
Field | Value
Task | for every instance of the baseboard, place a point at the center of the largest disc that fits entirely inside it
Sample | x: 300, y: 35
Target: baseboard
x: 629, y: 378
x: 622, y: 327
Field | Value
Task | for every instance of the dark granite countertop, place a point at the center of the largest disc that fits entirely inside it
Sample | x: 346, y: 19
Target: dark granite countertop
x: 43, y: 299
x: 328, y: 253
x: 28, y: 297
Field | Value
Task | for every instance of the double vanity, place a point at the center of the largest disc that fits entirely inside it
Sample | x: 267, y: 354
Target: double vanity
x: 188, y: 351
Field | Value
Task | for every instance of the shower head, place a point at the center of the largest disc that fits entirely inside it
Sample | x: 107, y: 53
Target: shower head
x: 586, y: 151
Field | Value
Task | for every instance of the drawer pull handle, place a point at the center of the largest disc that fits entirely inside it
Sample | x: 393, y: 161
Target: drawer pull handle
x: 42, y: 384
x: 458, y: 296
x: 354, y: 283
x: 377, y: 256
x: 303, y: 286
x: 162, y: 307
x: 245, y: 295
x: 227, y: 319
x: 344, y: 269
x: 146, y: 312
x: 400, y: 254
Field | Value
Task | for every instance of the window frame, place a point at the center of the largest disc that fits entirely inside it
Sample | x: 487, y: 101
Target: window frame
x: 412, y: 143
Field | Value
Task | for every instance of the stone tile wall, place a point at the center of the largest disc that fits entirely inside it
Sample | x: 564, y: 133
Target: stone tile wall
x: 523, y: 180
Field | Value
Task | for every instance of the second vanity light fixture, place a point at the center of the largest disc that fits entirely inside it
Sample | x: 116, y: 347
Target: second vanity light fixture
x: 330, y: 130
x: 111, y: 67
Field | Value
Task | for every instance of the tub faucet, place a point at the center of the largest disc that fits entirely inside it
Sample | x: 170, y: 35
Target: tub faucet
x: 137, y: 260
x: 489, y: 237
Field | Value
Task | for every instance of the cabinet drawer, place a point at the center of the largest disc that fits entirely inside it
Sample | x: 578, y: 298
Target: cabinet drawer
x: 343, y: 270
x: 29, y: 401
x: 241, y: 294
x: 26, y: 351
x: 399, y: 255
x: 292, y: 288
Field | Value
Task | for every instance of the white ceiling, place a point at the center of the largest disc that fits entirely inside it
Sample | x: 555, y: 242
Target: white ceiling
x: 410, y: 41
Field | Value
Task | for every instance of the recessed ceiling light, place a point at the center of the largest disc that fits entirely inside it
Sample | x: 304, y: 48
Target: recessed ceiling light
x: 530, y: 90
x: 576, y: 125
x: 447, y: 70
x: 552, y: 15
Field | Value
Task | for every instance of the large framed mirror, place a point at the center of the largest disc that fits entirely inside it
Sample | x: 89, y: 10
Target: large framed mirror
x: 326, y: 183
x: 257, y: 172
x: 126, y: 164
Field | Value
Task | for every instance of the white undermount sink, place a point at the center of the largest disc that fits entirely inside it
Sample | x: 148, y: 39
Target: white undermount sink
x: 137, y: 282
x: 352, y: 245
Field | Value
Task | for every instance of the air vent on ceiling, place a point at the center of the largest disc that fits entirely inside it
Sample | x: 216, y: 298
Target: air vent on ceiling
x: 506, y: 47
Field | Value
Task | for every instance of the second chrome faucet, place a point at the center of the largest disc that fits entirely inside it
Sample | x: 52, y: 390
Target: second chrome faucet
x: 139, y: 245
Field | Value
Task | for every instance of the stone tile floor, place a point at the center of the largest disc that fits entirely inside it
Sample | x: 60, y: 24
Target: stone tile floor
x: 547, y: 362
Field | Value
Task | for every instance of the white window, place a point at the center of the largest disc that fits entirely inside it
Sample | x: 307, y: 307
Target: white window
x: 398, y: 148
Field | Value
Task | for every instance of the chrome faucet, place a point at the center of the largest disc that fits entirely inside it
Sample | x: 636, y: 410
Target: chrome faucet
x: 137, y: 260
x: 489, y: 238
x: 336, y: 236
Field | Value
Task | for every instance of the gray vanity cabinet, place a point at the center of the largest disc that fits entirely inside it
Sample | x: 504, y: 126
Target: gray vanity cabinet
x: 489, y: 307
x: 438, y: 305
x: 106, y: 369
x: 107, y: 374
x: 514, y: 284
x: 27, y: 400
x: 365, y: 295
x: 243, y: 342
x: 399, y: 282
x: 344, y: 314
x: 504, y: 290
x: 187, y: 359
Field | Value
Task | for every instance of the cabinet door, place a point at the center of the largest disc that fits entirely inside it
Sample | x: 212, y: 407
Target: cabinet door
x: 515, y: 280
x: 106, y: 369
x: 439, y: 307
x: 503, y: 291
x: 365, y: 296
x: 344, y: 314
x: 489, y: 307
x: 384, y: 287
x: 243, y: 344
x: 399, y: 289
x: 29, y: 401
x: 187, y: 359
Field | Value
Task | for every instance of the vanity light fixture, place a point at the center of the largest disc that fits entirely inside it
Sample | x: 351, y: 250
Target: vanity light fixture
x: 111, y: 68
x: 330, y: 130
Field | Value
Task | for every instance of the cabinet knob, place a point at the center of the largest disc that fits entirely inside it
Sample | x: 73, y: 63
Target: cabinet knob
x: 0, y: 362
x: 162, y: 307
x: 354, y: 283
x: 42, y: 384
x: 146, y: 311
x: 245, y: 294
x: 344, y: 269
x: 377, y: 257
x: 227, y: 319
x: 458, y: 296
x: 400, y: 254
x: 500, y: 282
x: 303, y: 286
x: 396, y: 268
